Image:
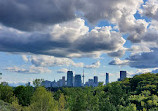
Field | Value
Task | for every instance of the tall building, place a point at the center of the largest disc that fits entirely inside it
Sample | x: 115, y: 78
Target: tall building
x: 123, y: 75
x: 46, y: 83
x: 63, y: 80
x: 90, y: 82
x: 95, y: 81
x: 69, y: 78
x: 78, y: 82
x: 83, y: 78
x: 107, y: 78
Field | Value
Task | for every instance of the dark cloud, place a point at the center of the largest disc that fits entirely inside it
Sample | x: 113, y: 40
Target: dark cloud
x: 63, y: 40
x: 33, y: 14
x: 118, y: 53
x: 144, y: 60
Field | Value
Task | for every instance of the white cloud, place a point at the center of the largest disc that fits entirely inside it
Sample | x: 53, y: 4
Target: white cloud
x: 150, y: 9
x: 93, y: 65
x: 69, y: 39
x: 30, y: 70
x: 63, y: 70
x: 117, y: 61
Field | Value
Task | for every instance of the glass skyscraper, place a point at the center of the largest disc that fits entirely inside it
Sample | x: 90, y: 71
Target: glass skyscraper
x: 107, y: 78
x: 123, y: 75
x: 69, y: 78
x: 78, y: 82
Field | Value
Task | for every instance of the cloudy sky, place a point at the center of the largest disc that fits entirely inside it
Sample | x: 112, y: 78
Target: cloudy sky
x: 45, y: 38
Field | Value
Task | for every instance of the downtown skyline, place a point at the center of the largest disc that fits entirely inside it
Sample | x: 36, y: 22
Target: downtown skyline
x: 45, y: 39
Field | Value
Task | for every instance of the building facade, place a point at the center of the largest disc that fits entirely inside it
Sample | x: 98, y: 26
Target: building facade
x: 107, y: 78
x: 69, y: 78
x: 78, y: 82
x: 123, y: 75
x: 95, y: 81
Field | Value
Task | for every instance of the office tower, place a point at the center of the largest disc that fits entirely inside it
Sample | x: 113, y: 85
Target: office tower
x: 107, y: 78
x: 63, y: 81
x: 78, y: 82
x: 90, y: 82
x: 83, y: 77
x: 46, y: 83
x: 69, y: 78
x: 95, y: 81
x: 122, y: 75
x: 0, y: 75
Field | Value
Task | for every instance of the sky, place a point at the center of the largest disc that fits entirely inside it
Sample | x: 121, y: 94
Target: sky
x: 46, y: 38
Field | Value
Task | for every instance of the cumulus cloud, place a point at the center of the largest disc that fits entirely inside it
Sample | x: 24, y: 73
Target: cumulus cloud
x: 144, y: 60
x: 69, y: 39
x: 30, y: 70
x: 93, y: 65
x: 118, y: 53
x: 64, y: 70
x: 117, y: 61
x: 50, y: 61
x: 32, y: 15
x: 150, y: 9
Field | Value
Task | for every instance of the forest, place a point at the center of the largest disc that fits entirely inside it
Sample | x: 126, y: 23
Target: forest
x: 139, y: 93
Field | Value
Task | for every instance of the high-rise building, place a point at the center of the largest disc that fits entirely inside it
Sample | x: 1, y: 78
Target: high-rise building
x: 83, y: 78
x: 90, y: 82
x: 107, y: 78
x: 46, y: 83
x: 69, y: 78
x: 123, y: 75
x: 63, y: 80
x: 78, y: 82
x: 95, y: 81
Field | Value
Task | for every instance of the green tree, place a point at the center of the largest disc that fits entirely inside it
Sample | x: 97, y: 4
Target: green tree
x: 6, y: 93
x: 62, y: 102
x: 42, y: 100
x: 24, y: 94
x: 37, y: 82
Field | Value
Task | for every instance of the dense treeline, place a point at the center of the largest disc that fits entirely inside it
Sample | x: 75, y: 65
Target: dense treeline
x: 139, y: 93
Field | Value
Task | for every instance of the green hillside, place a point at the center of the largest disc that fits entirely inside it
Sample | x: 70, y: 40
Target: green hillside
x: 139, y: 93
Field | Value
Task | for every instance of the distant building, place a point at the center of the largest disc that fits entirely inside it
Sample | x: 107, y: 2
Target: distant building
x: 54, y: 84
x: 123, y: 75
x: 46, y: 84
x: 107, y: 78
x: 63, y: 81
x: 29, y: 84
x: 95, y: 81
x: 69, y: 78
x: 78, y: 81
x: 90, y: 82
x: 60, y: 83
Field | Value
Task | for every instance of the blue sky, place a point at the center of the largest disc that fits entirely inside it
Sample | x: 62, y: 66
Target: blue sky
x: 104, y: 36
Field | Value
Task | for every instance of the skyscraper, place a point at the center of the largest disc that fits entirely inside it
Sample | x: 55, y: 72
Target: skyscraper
x: 107, y: 78
x: 122, y: 75
x: 95, y: 81
x: 69, y: 78
x: 77, y: 81
x: 83, y: 77
x: 63, y: 80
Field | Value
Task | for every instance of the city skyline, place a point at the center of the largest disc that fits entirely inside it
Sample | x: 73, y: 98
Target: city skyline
x: 77, y: 81
x: 45, y: 39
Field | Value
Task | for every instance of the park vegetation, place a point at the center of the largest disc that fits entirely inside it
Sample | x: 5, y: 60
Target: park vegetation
x: 139, y: 93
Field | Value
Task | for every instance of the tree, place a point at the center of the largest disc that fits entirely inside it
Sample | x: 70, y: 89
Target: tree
x: 6, y: 93
x: 62, y: 102
x: 24, y: 94
x: 43, y: 100
x: 37, y: 82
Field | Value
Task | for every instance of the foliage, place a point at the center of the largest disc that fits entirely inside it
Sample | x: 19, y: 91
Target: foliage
x: 37, y: 82
x: 139, y: 93
x: 24, y: 94
x: 6, y: 93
